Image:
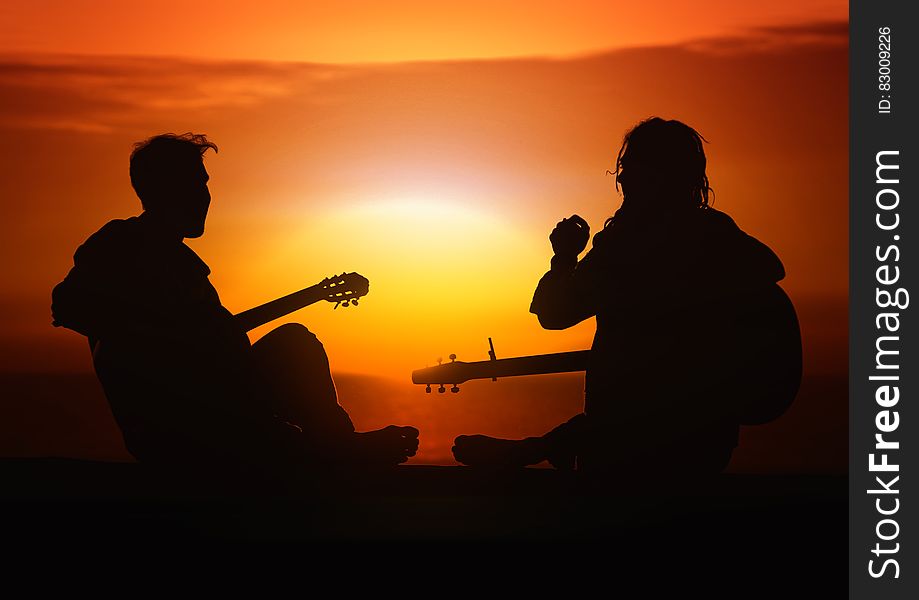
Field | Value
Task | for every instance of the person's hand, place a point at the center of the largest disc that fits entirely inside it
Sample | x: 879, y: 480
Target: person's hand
x: 390, y: 445
x: 570, y: 236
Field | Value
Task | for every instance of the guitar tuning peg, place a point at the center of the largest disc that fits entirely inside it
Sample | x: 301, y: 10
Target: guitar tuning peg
x: 354, y: 302
x: 346, y: 303
x: 452, y: 357
x: 441, y: 389
x: 455, y: 389
x: 427, y: 389
x: 440, y: 360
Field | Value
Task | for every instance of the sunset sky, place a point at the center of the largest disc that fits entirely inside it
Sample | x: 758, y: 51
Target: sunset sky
x: 430, y: 146
x: 362, y: 31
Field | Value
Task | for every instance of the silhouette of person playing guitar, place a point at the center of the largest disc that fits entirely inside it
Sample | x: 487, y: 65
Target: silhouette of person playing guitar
x: 186, y: 387
x: 694, y: 336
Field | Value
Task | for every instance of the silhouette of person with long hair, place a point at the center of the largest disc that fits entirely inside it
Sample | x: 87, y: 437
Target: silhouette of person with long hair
x: 694, y: 336
x: 185, y: 385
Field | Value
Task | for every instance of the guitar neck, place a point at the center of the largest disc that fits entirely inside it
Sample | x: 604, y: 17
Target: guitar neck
x: 540, y: 364
x: 255, y: 317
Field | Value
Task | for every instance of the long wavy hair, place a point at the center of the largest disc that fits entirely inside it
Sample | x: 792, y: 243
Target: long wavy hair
x: 676, y: 152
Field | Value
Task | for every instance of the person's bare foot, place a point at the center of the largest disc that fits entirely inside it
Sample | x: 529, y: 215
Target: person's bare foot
x: 391, y: 445
x: 482, y: 450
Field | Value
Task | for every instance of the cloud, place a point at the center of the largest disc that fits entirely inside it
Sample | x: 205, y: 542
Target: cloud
x: 777, y: 38
x: 96, y: 95
x: 834, y: 31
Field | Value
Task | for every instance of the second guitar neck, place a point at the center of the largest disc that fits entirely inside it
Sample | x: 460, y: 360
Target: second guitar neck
x: 540, y: 364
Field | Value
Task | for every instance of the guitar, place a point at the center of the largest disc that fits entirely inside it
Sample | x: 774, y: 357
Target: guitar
x: 344, y: 290
x: 457, y: 372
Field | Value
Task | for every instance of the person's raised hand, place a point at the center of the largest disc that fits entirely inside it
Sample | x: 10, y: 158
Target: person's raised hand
x: 570, y: 236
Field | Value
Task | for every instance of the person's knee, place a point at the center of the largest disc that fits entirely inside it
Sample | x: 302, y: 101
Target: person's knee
x: 296, y: 332
x: 291, y: 329
x: 291, y: 339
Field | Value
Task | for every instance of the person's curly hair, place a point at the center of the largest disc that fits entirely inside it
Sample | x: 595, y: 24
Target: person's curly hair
x: 155, y: 160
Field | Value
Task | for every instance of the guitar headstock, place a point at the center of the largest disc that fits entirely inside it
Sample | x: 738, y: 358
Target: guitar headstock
x: 344, y: 289
x: 452, y: 372
x: 455, y: 372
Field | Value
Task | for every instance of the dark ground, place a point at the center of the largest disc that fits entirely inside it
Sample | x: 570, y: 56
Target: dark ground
x: 780, y: 529
x: 778, y: 519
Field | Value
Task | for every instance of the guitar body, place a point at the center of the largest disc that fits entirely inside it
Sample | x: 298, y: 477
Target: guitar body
x: 766, y: 359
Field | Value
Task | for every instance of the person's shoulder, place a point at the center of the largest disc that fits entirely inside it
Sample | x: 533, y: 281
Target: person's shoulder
x: 716, y: 219
x: 720, y: 225
x: 111, y: 240
x: 117, y: 229
x: 601, y: 237
x: 716, y: 227
x: 724, y: 236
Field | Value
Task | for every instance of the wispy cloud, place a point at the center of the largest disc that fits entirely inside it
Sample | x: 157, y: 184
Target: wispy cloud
x: 777, y: 38
x: 95, y: 95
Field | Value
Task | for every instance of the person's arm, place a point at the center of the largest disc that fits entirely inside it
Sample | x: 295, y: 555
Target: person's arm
x: 87, y: 301
x: 567, y: 294
x: 100, y: 295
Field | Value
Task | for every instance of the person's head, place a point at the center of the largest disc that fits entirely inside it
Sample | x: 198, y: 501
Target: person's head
x: 168, y: 175
x: 661, y: 166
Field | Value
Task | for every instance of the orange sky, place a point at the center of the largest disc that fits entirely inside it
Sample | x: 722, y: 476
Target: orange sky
x: 349, y: 31
x: 439, y: 180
